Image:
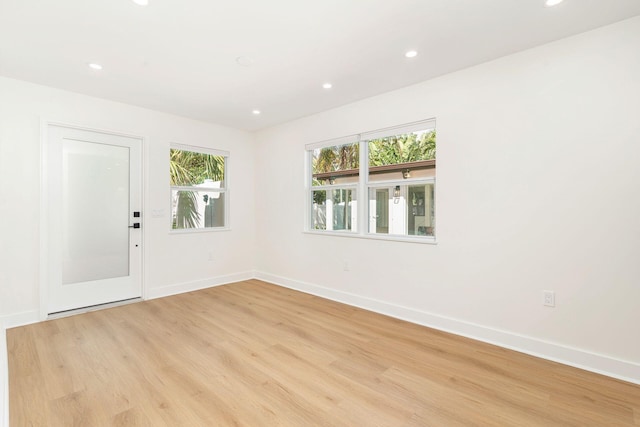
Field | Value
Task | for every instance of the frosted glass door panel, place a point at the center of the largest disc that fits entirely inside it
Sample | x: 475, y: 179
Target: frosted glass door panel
x: 95, y: 211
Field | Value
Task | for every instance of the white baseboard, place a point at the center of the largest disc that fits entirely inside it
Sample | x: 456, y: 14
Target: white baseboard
x: 20, y: 319
x: 4, y: 379
x: 196, y: 285
x: 28, y: 317
x: 598, y: 363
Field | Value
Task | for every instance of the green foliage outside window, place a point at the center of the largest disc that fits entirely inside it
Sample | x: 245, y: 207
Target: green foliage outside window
x: 405, y: 148
x: 336, y: 158
x: 191, y: 168
x: 410, y: 147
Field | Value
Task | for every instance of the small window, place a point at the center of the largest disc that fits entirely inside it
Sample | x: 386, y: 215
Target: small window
x: 199, y: 188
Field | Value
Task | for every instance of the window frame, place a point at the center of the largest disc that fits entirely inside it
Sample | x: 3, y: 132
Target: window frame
x: 364, y: 184
x: 309, y: 149
x: 224, y: 190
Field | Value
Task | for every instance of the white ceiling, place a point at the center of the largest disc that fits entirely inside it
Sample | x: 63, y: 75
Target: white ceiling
x: 179, y: 56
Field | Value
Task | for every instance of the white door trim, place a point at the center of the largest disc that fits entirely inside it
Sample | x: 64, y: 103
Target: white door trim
x: 44, y: 208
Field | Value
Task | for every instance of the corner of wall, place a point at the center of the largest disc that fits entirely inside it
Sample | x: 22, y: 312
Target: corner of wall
x: 195, y: 285
x: 19, y: 319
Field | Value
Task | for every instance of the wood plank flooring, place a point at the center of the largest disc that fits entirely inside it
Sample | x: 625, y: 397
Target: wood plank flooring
x: 254, y: 354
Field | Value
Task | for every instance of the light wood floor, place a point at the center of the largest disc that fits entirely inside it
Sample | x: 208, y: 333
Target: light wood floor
x: 253, y: 354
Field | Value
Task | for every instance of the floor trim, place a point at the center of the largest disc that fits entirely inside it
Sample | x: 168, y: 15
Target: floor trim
x: 20, y: 319
x: 598, y: 363
x: 196, y: 285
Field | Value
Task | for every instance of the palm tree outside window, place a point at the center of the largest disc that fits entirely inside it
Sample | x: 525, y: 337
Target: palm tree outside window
x: 199, y: 188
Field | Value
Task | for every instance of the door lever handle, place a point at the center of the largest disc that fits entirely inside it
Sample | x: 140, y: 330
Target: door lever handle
x: 135, y: 225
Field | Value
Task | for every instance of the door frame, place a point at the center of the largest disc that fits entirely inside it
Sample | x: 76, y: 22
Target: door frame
x: 45, y: 214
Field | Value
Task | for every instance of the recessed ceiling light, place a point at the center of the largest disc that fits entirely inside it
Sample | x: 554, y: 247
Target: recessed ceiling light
x: 327, y: 86
x: 411, y: 54
x: 256, y: 112
x: 550, y: 3
x: 94, y: 66
x: 141, y: 2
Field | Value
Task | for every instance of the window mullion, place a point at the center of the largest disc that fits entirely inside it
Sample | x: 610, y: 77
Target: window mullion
x: 335, y: 187
x: 196, y: 188
x: 363, y: 211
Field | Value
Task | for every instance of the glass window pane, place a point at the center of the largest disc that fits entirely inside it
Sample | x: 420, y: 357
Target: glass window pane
x: 197, y: 209
x: 379, y: 210
x: 337, y: 164
x: 402, y: 210
x: 420, y: 212
x: 343, y: 209
x: 189, y: 168
x: 334, y: 209
x: 319, y: 210
x: 409, y: 155
x: 95, y: 200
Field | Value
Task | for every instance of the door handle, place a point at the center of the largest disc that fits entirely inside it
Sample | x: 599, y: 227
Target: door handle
x: 135, y: 225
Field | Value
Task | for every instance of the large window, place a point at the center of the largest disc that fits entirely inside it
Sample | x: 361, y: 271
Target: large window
x: 199, y: 188
x: 393, y: 168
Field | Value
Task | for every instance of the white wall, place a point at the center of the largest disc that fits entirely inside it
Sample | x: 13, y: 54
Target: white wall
x: 175, y: 262
x: 537, y: 188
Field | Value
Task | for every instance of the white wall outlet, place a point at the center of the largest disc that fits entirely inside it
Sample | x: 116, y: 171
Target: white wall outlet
x: 345, y: 266
x: 549, y: 298
x: 210, y: 256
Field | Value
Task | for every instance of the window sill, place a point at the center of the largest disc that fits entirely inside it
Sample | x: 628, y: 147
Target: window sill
x: 425, y: 240
x: 198, y: 230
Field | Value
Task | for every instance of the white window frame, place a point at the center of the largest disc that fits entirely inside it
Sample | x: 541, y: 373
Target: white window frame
x: 329, y: 212
x: 309, y: 148
x: 202, y: 188
x: 364, y: 185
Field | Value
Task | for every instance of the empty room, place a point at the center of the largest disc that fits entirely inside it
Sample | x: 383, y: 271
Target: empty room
x: 339, y: 213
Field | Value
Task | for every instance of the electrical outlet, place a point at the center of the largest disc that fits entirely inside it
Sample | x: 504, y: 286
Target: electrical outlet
x: 549, y: 298
x: 345, y: 266
x: 210, y: 256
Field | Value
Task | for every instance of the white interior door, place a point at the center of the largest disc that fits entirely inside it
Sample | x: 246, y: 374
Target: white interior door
x: 93, y: 204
